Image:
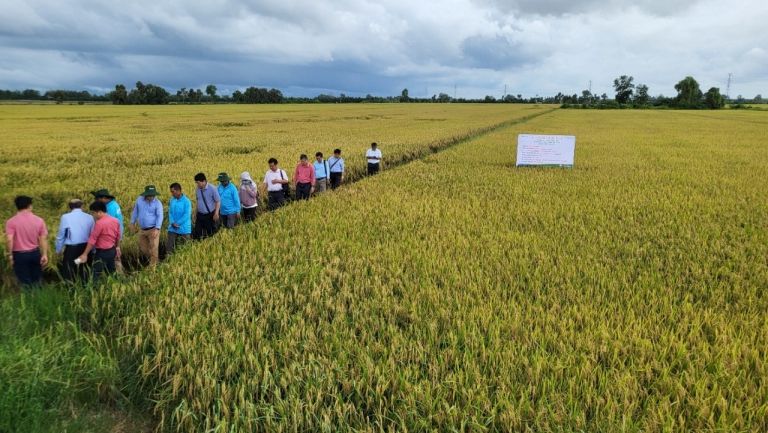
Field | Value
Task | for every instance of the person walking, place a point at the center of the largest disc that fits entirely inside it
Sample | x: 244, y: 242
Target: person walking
x: 27, y: 244
x: 208, y: 206
x: 230, y: 201
x: 147, y: 219
x: 113, y: 210
x: 373, y: 155
x: 322, y: 173
x: 249, y: 197
x: 103, y: 241
x: 179, y: 219
x: 336, y: 167
x: 276, y: 182
x: 304, y: 178
x: 74, y: 230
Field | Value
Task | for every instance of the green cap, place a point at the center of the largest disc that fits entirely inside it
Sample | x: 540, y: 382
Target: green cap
x: 223, y: 177
x: 102, y: 193
x: 149, y: 190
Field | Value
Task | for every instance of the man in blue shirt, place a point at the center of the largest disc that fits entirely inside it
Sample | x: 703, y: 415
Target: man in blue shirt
x: 336, y: 166
x: 113, y: 210
x: 321, y: 173
x: 179, y: 219
x: 74, y: 230
x: 147, y: 218
x: 230, y: 201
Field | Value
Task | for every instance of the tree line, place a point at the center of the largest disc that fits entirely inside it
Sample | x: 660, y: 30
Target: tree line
x: 627, y: 95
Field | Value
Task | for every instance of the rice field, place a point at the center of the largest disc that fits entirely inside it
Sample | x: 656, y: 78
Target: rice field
x: 55, y: 153
x: 458, y: 293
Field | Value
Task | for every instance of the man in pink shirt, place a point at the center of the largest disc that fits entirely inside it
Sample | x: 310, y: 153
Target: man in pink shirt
x: 103, y: 241
x: 27, y: 235
x: 304, y: 178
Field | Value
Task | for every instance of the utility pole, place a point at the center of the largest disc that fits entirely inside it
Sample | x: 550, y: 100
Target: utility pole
x: 728, y: 87
x: 590, y: 87
x: 505, y: 93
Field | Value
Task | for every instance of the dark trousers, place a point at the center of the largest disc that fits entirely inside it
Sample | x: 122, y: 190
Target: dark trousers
x: 275, y: 199
x: 335, y: 179
x: 69, y: 270
x: 303, y: 191
x: 26, y: 266
x: 249, y: 213
x: 205, y: 226
x: 103, y: 263
x: 228, y: 221
x: 173, y: 240
x: 373, y: 168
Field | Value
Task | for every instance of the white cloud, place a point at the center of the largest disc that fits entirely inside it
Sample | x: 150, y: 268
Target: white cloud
x: 358, y: 47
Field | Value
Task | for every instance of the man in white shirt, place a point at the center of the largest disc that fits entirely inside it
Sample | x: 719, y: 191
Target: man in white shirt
x: 274, y: 181
x: 373, y: 155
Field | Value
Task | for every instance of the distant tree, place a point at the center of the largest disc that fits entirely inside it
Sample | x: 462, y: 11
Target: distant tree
x: 641, y: 95
x: 274, y: 96
x: 740, y: 99
x: 404, y: 96
x: 443, y: 97
x: 688, y: 93
x: 210, y: 90
x: 713, y: 99
x: 120, y: 95
x: 758, y: 99
x: 489, y: 98
x: 604, y: 97
x: 237, y: 96
x: 30, y: 94
x: 182, y: 94
x: 58, y: 96
x: 623, y: 86
x: 586, y: 98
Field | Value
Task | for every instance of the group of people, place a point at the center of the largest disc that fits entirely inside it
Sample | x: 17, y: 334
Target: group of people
x: 89, y: 243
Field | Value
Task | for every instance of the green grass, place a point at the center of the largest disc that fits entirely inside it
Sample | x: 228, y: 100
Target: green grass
x: 54, y: 376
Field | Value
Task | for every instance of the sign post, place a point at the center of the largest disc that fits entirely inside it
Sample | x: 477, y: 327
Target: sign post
x: 545, y: 150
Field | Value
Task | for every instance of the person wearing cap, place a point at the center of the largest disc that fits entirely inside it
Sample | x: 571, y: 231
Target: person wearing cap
x: 322, y: 173
x: 27, y: 243
x: 230, y: 201
x: 113, y: 210
x: 304, y: 178
x: 336, y: 167
x: 275, y: 181
x: 249, y: 197
x: 147, y: 218
x: 208, y: 207
x: 373, y: 155
x: 103, y: 241
x: 179, y: 219
x: 74, y: 230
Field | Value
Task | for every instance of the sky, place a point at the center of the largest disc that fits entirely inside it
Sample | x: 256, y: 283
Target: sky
x: 466, y: 48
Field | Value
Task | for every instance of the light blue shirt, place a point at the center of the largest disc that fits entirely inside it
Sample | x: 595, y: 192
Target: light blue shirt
x: 180, y: 212
x: 320, y: 169
x: 75, y: 228
x: 113, y: 210
x: 149, y: 214
x: 336, y: 164
x: 230, y: 199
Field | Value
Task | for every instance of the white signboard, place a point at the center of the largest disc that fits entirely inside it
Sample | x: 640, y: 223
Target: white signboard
x: 545, y: 150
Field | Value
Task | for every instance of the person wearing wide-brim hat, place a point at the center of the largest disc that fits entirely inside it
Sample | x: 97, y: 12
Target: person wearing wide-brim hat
x: 230, y: 201
x: 113, y: 209
x: 147, y: 219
